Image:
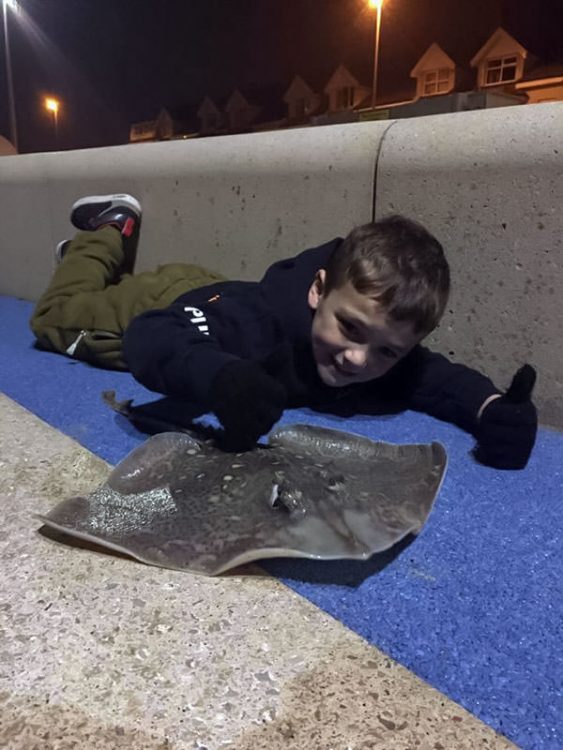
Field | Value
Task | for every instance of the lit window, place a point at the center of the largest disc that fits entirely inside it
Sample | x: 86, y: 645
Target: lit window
x: 345, y: 97
x: 437, y: 81
x: 500, y: 70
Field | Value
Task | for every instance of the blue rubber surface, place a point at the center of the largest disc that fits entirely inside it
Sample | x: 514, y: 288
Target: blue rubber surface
x: 474, y: 605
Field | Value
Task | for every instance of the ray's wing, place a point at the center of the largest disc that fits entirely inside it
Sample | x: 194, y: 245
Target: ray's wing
x: 316, y: 493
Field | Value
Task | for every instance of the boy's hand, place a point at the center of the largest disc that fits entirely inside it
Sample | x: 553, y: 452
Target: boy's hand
x: 507, y: 429
x: 247, y: 402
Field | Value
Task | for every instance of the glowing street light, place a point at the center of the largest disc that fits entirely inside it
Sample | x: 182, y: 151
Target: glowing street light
x: 14, y: 7
x: 52, y: 105
x: 375, y: 5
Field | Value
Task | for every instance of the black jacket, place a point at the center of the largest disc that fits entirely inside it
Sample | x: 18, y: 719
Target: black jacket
x: 178, y: 351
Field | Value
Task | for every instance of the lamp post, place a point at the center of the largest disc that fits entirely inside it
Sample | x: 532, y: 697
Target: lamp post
x: 52, y: 105
x: 12, y: 4
x: 377, y: 5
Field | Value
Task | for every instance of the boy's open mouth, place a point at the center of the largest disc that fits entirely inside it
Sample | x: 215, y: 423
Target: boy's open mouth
x: 341, y: 370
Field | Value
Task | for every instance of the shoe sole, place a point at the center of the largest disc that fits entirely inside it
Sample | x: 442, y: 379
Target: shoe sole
x: 86, y: 208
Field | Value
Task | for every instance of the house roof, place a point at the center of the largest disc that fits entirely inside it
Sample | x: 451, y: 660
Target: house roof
x: 434, y: 54
x: 341, y: 77
x: 547, y: 70
x: 500, y: 40
x: 297, y: 87
x: 208, y: 105
x: 235, y: 100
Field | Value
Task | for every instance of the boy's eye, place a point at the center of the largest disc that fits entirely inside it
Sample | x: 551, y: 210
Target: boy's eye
x: 349, y: 328
x: 389, y: 353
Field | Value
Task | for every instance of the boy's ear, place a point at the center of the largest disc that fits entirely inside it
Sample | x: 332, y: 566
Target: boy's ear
x: 316, y: 290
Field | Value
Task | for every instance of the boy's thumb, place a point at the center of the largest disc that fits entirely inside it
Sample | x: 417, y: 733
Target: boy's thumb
x: 522, y: 385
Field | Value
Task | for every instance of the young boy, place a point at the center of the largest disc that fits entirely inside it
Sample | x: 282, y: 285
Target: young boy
x: 337, y: 326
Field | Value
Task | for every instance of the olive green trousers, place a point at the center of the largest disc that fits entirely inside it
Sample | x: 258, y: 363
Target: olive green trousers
x: 90, y: 301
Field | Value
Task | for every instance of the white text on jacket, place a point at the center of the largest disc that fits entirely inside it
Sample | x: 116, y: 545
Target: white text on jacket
x: 198, y: 318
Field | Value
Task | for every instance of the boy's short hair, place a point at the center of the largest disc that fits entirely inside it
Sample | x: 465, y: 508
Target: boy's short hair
x: 397, y: 262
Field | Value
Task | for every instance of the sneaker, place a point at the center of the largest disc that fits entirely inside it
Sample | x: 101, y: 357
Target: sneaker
x: 61, y: 249
x: 94, y: 211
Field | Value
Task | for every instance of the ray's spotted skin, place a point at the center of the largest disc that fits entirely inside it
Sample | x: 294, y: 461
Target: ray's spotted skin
x: 312, y: 492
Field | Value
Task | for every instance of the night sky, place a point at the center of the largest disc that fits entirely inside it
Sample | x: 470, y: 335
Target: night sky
x: 114, y: 62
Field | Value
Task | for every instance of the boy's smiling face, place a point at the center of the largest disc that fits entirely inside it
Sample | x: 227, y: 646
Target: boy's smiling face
x: 353, y: 339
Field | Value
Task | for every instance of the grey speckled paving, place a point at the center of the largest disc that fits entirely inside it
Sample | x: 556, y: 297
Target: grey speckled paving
x: 313, y: 492
x: 97, y: 652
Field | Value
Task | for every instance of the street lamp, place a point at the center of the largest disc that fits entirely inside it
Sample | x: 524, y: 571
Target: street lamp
x: 12, y: 4
x: 377, y: 5
x: 52, y: 105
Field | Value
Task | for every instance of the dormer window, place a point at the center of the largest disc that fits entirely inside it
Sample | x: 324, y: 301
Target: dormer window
x: 437, y: 81
x: 345, y: 97
x: 501, y: 70
x: 500, y: 60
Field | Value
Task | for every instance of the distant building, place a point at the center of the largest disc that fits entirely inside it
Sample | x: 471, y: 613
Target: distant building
x: 501, y: 73
x: 159, y: 129
x: 543, y: 84
x: 302, y: 101
x: 344, y: 91
x: 435, y: 73
x: 241, y: 113
x: 500, y: 62
x: 6, y: 147
x: 212, y: 119
x: 169, y: 124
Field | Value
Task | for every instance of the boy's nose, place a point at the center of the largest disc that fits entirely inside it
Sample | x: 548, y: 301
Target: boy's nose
x: 355, y: 359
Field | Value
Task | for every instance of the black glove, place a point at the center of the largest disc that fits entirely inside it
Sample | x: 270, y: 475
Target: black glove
x: 247, y: 402
x: 507, y: 429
